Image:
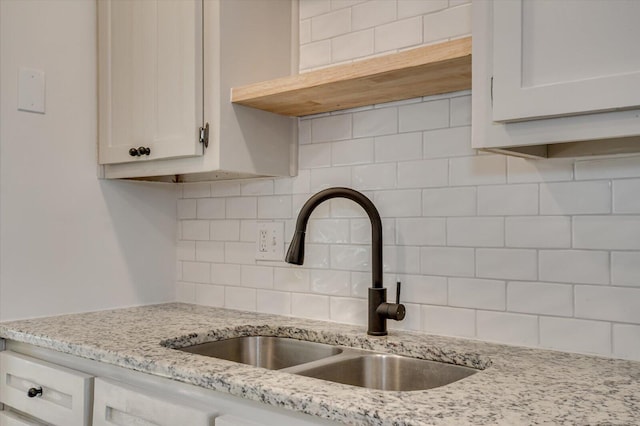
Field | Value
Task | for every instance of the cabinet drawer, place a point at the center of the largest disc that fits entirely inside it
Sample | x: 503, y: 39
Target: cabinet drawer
x: 66, y: 394
x: 9, y: 418
x: 125, y: 405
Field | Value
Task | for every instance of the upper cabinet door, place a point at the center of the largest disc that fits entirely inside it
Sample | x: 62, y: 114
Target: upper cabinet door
x: 150, y: 79
x: 563, y: 58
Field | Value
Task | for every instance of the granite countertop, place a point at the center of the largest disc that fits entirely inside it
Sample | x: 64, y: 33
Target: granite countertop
x: 516, y: 386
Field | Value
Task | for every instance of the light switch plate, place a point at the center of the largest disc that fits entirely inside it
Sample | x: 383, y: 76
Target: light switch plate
x: 270, y: 241
x: 31, y: 90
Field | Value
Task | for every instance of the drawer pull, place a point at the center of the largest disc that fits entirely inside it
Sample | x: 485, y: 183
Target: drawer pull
x: 33, y: 392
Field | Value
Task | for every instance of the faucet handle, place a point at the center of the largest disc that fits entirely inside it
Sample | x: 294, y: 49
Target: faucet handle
x: 398, y: 284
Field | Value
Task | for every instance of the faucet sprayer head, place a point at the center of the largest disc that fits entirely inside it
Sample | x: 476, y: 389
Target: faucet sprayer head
x: 295, y: 254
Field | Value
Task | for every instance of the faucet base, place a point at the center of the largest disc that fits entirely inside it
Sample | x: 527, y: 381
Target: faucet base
x: 377, y: 323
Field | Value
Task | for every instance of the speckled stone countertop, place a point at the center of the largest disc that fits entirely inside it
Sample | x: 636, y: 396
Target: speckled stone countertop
x: 518, y: 386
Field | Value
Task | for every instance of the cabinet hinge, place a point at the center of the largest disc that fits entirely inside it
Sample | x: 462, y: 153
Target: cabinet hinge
x: 204, y: 135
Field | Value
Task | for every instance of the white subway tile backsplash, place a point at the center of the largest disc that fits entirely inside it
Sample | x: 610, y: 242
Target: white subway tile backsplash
x: 374, y: 176
x: 354, y: 258
x: 195, y: 229
x: 449, y: 202
x: 315, y: 54
x: 538, y: 231
x: 626, y: 341
x: 294, y: 185
x: 475, y: 231
x: 540, y: 298
x: 422, y: 289
x: 574, y: 266
x: 331, y: 282
x: 516, y: 264
x: 291, y: 279
x: 477, y: 293
x: 400, y: 147
x: 421, y: 232
x: 353, y: 45
x: 606, y: 232
x: 605, y: 168
x: 236, y: 252
x: 257, y: 187
x: 310, y: 8
x: 479, y: 170
x: 316, y: 256
x: 248, y: 230
x: 521, y: 170
x: 419, y: 7
x: 328, y: 177
x: 225, y: 274
x: 186, y: 209
x: 424, y: 116
x: 508, y: 200
x: 209, y: 295
x: 330, y: 24
x: 185, y: 292
x: 451, y: 261
x: 274, y: 207
x: 209, y: 251
x: 401, y: 259
x: 330, y: 231
x: 443, y: 143
x: 447, y: 23
x: 375, y: 122
x: 305, y: 31
x: 461, y: 111
x: 273, y: 302
x: 357, y: 151
x: 586, y: 336
x: 225, y: 188
x: 242, y: 207
x: 449, y: 321
x: 210, y: 208
x: 256, y: 276
x: 348, y: 310
x: 625, y: 196
x: 186, y: 250
x: 423, y: 173
x: 399, y: 203
x: 312, y: 306
x: 398, y: 34
x: 575, y: 198
x: 224, y: 230
x: 196, y: 272
x: 360, y: 231
x: 304, y: 131
x: 331, y: 128
x: 240, y: 298
x: 625, y: 268
x: 340, y: 4
x: 341, y: 207
x: 372, y: 13
x: 196, y: 190
x: 507, y: 328
x: 608, y: 303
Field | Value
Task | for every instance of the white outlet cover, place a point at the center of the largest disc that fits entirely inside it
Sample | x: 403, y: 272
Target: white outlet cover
x: 270, y: 241
x: 31, y: 90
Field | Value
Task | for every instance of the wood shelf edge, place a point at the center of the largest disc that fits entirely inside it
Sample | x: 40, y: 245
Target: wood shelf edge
x: 426, y: 70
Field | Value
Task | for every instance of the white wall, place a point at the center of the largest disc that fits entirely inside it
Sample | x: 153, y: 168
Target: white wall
x: 534, y: 253
x: 69, y: 242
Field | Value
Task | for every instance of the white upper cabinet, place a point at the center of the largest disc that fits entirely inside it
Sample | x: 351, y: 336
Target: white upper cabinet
x: 150, y: 65
x: 166, y: 69
x: 552, y: 77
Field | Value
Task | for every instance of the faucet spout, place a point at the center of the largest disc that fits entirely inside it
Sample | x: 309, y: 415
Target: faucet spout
x: 377, y: 294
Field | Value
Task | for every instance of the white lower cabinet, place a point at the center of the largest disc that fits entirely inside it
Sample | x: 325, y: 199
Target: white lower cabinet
x: 54, y: 394
x: 73, y: 391
x: 124, y: 405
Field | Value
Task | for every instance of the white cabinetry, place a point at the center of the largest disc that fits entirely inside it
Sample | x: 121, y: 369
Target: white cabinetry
x: 45, y: 391
x: 166, y: 68
x: 556, y: 78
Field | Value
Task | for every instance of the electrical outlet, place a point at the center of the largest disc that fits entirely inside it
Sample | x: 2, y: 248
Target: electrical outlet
x: 270, y: 243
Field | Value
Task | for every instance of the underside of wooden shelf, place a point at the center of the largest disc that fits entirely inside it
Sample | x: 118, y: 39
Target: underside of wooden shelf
x: 423, y: 71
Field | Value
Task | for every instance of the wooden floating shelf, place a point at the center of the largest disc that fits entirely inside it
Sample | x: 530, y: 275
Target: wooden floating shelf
x: 423, y: 71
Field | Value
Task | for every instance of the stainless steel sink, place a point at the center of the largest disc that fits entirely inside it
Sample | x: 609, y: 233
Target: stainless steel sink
x: 273, y: 353
x: 389, y: 372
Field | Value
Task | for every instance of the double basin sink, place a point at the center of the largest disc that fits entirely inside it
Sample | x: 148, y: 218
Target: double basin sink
x: 338, y: 364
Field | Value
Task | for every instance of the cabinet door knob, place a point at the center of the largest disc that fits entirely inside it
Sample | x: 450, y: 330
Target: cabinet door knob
x: 33, y: 392
x: 144, y: 151
x: 133, y: 152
